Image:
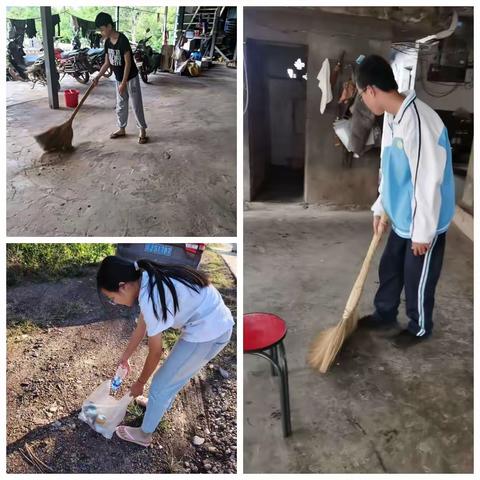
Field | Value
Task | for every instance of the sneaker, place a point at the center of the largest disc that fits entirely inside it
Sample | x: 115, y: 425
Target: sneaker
x: 405, y: 339
x: 372, y: 322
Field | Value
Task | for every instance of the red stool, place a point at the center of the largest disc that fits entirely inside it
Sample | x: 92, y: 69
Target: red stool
x: 263, y: 335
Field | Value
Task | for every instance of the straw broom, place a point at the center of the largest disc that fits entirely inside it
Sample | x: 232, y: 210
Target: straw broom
x: 326, y: 346
x: 60, y: 137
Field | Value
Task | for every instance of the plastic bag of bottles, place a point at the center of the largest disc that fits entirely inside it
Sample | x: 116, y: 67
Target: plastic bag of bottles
x: 102, y: 411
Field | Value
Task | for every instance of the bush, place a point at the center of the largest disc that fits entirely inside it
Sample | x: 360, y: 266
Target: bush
x: 50, y: 261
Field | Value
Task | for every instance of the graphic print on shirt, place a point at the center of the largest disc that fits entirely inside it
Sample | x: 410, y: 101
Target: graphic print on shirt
x: 114, y: 57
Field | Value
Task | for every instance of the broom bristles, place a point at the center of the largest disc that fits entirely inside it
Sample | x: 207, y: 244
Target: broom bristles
x: 43, y: 138
x: 56, y: 138
x: 328, y: 343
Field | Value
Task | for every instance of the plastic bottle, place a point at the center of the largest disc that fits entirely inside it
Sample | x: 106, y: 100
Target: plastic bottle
x: 120, y: 374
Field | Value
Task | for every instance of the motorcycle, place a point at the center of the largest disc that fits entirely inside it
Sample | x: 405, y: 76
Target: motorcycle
x: 17, y: 60
x: 80, y: 64
x: 146, y: 59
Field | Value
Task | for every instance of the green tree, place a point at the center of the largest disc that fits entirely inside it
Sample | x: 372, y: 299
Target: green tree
x: 134, y: 21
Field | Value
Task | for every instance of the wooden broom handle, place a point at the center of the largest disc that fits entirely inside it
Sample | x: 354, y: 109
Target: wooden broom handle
x: 360, y: 281
x: 82, y: 100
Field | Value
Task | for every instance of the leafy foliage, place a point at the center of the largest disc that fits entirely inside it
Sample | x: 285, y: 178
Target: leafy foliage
x: 134, y: 21
x: 46, y: 261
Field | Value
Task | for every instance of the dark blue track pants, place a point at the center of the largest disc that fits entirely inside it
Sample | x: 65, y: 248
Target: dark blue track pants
x: 400, y: 268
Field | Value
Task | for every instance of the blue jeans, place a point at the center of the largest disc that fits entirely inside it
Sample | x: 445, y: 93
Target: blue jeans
x: 184, y: 361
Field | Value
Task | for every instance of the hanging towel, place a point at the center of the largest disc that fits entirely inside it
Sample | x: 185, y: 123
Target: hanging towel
x: 324, y: 85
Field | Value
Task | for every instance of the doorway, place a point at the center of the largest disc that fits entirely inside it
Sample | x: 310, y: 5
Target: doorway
x: 277, y: 83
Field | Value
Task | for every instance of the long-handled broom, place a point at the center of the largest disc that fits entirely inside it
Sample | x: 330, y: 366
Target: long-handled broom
x: 60, y: 137
x: 326, y: 346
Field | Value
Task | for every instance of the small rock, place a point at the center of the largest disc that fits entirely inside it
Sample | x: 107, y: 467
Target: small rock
x: 207, y: 431
x: 211, y: 366
x: 207, y: 466
x: 187, y: 465
x: 56, y: 424
x: 223, y: 373
x: 198, y: 440
x: 212, y: 449
x: 53, y: 408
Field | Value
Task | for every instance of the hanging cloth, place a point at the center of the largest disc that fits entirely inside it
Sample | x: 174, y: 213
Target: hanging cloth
x: 56, y: 22
x: 324, y: 85
x: 17, y: 28
x: 363, y: 121
x: 86, y: 26
x: 31, y: 29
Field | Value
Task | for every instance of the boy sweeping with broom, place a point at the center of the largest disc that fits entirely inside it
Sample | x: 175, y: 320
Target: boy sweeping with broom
x: 119, y: 56
x: 417, y: 193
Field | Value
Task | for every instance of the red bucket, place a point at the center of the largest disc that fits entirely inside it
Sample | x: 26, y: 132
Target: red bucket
x: 71, y: 98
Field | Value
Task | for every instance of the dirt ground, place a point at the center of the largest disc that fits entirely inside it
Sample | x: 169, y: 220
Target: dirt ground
x: 62, y: 343
x: 378, y: 409
x: 181, y: 183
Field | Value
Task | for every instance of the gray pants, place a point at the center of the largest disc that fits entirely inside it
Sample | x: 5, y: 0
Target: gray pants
x: 135, y: 92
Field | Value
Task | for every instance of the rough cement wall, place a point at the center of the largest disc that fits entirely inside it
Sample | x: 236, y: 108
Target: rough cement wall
x: 326, y: 35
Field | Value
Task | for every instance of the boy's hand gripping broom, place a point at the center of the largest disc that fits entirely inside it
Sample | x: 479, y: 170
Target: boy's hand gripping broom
x: 326, y: 346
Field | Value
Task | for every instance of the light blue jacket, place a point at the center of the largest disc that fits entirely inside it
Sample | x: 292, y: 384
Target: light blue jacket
x: 417, y: 189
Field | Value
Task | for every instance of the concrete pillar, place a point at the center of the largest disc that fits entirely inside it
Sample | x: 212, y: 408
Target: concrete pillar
x: 53, y: 84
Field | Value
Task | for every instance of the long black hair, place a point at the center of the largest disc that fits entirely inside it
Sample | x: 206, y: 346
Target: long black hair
x: 114, y: 270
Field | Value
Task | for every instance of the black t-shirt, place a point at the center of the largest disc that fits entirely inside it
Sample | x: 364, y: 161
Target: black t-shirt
x: 116, y: 57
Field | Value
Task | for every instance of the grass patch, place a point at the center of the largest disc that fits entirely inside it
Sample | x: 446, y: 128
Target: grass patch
x: 170, y: 337
x: 20, y: 325
x: 51, y: 261
x: 218, y: 272
x: 134, y: 418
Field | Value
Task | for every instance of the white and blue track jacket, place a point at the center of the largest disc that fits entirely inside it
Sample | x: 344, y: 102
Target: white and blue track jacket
x: 417, y: 189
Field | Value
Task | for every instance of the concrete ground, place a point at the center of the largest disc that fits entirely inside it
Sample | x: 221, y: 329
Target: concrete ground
x: 228, y: 251
x: 182, y: 183
x: 378, y: 409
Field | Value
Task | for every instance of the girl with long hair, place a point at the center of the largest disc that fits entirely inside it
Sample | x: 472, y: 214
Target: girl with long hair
x: 169, y: 296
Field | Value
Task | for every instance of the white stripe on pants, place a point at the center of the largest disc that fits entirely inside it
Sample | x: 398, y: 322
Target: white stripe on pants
x: 183, y: 362
x: 134, y: 92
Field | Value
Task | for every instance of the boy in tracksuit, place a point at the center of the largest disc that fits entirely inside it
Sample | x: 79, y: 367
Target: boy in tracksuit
x: 119, y: 57
x: 417, y: 194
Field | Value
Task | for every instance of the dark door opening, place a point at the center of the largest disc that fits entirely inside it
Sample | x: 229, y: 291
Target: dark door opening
x: 276, y: 120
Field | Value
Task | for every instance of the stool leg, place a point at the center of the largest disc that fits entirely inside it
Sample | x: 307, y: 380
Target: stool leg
x: 284, y: 393
x: 274, y: 355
